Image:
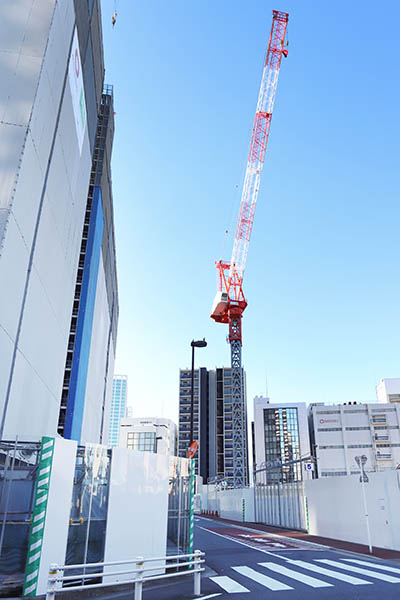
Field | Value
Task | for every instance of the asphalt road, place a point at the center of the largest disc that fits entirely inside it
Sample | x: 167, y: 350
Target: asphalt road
x: 243, y: 564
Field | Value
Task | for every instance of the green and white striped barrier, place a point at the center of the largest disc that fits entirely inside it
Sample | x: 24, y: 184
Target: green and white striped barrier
x: 191, y: 516
x: 38, y: 517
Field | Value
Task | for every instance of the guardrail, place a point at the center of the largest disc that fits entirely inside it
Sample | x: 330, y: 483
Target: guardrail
x: 192, y: 561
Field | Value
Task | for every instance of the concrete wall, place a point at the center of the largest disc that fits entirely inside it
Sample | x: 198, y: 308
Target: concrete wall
x: 336, y: 509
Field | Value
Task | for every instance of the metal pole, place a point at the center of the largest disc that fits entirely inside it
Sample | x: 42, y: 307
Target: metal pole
x: 192, y: 400
x: 139, y: 580
x: 89, y: 518
x: 3, y: 528
x: 51, y: 582
x: 366, y: 515
x: 197, y: 574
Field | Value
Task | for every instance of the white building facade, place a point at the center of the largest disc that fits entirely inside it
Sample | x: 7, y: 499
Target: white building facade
x: 280, y: 433
x: 149, y: 435
x: 388, y: 390
x: 341, y: 432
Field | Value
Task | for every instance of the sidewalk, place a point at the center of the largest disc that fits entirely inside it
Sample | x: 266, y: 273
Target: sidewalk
x: 316, y: 539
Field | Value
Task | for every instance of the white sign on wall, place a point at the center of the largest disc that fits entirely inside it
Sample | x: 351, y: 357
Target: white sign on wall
x: 77, y: 90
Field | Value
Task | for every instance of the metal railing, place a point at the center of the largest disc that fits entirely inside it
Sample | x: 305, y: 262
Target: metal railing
x: 138, y: 572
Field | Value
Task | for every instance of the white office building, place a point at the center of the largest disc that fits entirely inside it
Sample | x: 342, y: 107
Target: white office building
x: 280, y: 434
x: 149, y: 435
x: 340, y: 432
x: 388, y: 390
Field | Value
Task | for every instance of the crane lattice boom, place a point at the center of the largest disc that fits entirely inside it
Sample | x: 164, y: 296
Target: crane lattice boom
x: 230, y: 302
x: 258, y: 146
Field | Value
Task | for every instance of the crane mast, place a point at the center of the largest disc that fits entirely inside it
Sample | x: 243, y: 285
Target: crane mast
x: 230, y: 303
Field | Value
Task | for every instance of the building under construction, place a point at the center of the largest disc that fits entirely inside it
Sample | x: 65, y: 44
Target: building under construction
x: 213, y: 422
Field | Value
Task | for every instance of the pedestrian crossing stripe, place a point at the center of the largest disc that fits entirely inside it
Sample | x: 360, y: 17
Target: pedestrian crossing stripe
x: 231, y: 586
x: 271, y: 584
x: 374, y: 574
x: 311, y: 581
x: 373, y: 565
x: 333, y: 574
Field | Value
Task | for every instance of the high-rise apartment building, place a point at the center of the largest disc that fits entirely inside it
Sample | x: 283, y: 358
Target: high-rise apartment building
x: 281, y: 436
x: 212, y: 421
x: 118, y: 408
x: 388, y: 390
x: 149, y: 434
x: 340, y: 432
x: 59, y: 303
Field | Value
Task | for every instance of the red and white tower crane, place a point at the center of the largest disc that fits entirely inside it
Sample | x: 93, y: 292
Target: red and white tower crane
x: 230, y: 303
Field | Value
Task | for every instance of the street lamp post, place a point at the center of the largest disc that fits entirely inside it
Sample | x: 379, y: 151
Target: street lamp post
x: 361, y: 460
x: 198, y: 344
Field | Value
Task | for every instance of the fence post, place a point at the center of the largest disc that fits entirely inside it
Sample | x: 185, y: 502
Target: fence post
x: 139, y: 580
x: 197, y: 573
x: 51, y: 582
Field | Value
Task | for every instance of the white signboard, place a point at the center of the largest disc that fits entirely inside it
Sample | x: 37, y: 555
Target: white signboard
x: 77, y: 90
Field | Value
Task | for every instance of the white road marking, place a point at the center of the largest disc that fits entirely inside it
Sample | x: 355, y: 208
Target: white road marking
x: 211, y: 596
x: 229, y: 585
x: 373, y: 565
x: 374, y: 574
x: 237, y: 541
x: 311, y: 581
x: 329, y: 573
x: 271, y: 584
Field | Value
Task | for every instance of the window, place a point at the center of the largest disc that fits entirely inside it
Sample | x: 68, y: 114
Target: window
x: 357, y: 428
x: 331, y: 429
x: 359, y: 446
x: 331, y: 447
x: 143, y: 440
x: 328, y: 412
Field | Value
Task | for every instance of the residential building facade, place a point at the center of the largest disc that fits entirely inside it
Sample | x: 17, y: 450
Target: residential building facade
x: 118, y: 408
x: 149, y: 435
x: 340, y: 432
x: 59, y: 305
x: 212, y: 426
x: 281, y: 436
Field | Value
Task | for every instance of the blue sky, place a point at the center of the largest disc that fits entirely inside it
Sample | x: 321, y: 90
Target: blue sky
x: 322, y: 277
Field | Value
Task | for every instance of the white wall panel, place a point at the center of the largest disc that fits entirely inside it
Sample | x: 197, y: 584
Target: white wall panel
x: 24, y: 25
x: 137, y: 506
x: 6, y: 350
x: 13, y: 266
x: 58, y: 509
x: 12, y: 139
x: 33, y: 410
x: 26, y: 200
x: 233, y: 504
x: 336, y: 508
